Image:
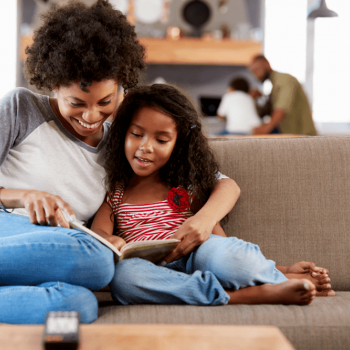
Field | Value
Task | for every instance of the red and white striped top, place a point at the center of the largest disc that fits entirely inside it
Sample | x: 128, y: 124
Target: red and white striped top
x: 144, y: 222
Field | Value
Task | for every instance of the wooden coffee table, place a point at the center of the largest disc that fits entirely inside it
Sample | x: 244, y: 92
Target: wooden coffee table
x: 154, y: 337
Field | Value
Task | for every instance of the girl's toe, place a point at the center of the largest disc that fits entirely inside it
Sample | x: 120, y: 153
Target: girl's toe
x: 326, y: 293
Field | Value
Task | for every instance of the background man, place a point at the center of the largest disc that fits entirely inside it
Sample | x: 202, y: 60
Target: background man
x: 291, y: 112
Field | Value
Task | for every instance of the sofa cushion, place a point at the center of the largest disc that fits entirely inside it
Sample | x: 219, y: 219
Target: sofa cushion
x: 295, y: 199
x: 324, y: 324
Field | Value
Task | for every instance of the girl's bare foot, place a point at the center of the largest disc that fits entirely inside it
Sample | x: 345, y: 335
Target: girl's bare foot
x: 317, y: 275
x: 321, y: 282
x: 294, y: 291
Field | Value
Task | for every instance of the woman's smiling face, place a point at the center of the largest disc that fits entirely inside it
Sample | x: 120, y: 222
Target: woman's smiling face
x: 149, y: 141
x: 83, y: 113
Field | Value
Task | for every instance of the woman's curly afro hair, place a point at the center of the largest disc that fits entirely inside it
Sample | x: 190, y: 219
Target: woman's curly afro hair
x: 191, y: 164
x: 80, y: 43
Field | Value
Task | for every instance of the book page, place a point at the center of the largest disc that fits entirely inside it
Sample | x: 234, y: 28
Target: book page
x: 153, y: 251
x: 149, y: 243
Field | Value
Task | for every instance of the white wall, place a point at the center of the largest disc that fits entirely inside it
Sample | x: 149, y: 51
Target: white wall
x: 332, y: 65
x: 8, y: 44
x: 285, y: 36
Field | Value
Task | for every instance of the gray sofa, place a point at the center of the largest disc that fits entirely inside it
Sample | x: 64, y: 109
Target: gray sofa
x: 295, y: 204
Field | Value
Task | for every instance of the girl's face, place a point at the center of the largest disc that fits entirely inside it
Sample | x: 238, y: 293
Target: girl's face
x: 149, y: 141
x: 83, y: 113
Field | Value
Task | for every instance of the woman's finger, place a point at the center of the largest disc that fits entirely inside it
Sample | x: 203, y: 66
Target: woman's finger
x: 186, y: 246
x: 50, y: 207
x: 176, y: 254
x: 32, y: 214
x: 60, y: 218
x: 63, y: 212
x: 52, y: 220
x: 40, y: 213
x: 64, y: 206
x: 191, y: 246
x: 51, y: 216
x: 181, y: 232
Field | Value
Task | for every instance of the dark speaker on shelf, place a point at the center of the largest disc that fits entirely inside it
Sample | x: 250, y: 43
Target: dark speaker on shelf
x: 196, y: 13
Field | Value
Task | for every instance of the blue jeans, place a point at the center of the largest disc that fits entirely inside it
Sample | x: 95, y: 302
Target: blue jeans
x: 45, y: 268
x: 199, y: 278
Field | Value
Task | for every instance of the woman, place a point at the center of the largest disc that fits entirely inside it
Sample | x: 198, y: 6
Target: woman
x: 51, y: 161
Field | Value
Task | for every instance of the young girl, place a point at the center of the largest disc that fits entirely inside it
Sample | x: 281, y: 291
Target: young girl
x: 160, y: 171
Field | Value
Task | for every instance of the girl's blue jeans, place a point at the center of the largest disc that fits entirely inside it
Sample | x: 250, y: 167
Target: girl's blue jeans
x: 199, y: 278
x: 45, y: 268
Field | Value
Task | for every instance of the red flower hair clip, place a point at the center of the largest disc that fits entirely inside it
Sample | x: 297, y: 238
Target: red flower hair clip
x: 178, y: 199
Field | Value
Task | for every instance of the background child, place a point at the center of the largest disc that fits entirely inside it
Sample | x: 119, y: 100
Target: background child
x: 160, y: 171
x: 238, y: 107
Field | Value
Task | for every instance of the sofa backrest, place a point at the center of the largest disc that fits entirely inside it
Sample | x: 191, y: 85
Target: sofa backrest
x: 295, y: 199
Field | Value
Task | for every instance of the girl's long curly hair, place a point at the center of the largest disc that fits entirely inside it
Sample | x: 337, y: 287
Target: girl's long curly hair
x: 191, y: 164
x: 80, y: 43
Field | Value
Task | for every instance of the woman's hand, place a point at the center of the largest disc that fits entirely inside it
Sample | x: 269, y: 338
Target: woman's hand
x: 192, y: 233
x: 44, y: 208
x: 197, y: 229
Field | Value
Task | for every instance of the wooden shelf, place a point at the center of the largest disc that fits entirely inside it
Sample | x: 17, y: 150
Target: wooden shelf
x: 200, y: 51
x: 191, y: 51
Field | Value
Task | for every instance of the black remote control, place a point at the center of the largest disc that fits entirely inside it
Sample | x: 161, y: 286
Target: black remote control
x: 61, y: 330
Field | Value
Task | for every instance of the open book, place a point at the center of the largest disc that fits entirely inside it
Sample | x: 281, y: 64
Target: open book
x: 153, y: 251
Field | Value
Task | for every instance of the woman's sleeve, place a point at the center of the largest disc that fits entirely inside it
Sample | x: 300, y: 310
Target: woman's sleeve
x: 21, y: 112
x: 8, y: 125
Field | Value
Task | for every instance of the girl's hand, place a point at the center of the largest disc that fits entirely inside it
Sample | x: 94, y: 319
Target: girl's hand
x: 117, y: 241
x: 45, y: 208
x: 192, y: 233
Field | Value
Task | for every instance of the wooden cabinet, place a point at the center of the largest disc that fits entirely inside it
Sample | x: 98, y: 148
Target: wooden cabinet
x: 190, y: 51
x: 200, y: 51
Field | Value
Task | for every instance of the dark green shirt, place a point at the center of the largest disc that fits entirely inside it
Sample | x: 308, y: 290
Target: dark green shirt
x: 287, y: 94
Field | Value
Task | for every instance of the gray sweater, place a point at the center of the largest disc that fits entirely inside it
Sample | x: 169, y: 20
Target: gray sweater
x: 37, y: 152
